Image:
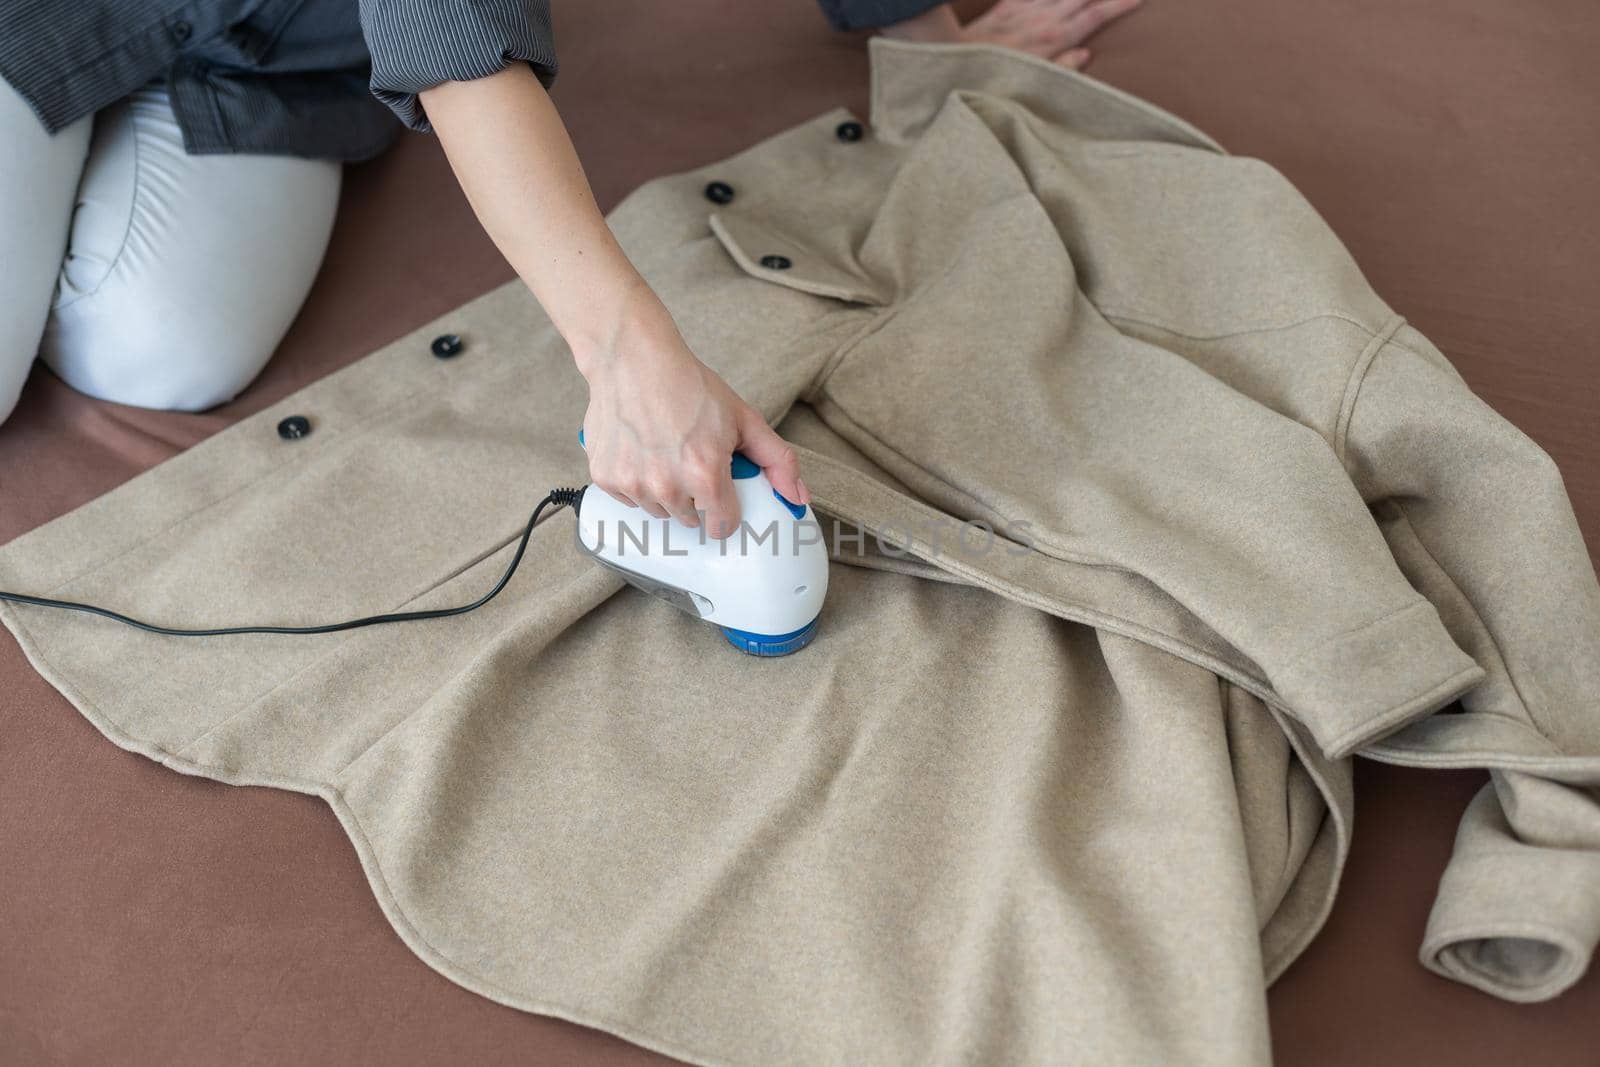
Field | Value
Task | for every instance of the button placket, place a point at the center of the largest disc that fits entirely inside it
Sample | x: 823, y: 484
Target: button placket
x: 759, y: 239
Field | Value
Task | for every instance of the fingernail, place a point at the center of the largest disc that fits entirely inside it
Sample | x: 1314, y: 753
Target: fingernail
x: 805, y: 494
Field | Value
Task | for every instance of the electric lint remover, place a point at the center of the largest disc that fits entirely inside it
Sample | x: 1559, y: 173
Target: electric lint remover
x: 763, y: 585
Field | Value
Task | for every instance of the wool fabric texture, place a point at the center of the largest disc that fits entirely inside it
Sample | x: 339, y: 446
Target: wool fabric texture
x: 1076, y: 796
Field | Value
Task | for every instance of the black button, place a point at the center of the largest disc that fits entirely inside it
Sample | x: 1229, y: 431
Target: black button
x: 447, y: 346
x: 776, y: 262
x: 719, y: 192
x: 181, y: 31
x: 294, y: 426
x: 849, y: 131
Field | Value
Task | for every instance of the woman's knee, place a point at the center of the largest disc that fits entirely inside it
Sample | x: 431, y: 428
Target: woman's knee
x: 165, y: 350
x: 187, y: 321
x: 180, y: 282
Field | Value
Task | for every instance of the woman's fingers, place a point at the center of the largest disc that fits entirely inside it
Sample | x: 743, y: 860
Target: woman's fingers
x: 716, y: 500
x: 1053, y: 29
x: 1083, y: 23
x: 694, y: 493
x: 672, y: 496
x: 762, y: 446
x: 642, y: 453
x: 612, y: 487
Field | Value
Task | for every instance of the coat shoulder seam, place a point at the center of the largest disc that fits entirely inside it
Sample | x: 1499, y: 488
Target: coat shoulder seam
x: 1358, y: 376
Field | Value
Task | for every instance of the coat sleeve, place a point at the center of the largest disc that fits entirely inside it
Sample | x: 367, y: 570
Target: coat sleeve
x: 417, y: 44
x: 1479, y: 519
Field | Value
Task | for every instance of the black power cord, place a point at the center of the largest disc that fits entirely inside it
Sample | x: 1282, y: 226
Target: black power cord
x: 560, y: 498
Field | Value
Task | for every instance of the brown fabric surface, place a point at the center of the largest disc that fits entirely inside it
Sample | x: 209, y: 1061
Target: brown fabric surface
x: 1446, y: 152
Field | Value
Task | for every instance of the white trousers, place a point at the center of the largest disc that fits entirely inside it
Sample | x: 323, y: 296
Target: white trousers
x: 141, y: 274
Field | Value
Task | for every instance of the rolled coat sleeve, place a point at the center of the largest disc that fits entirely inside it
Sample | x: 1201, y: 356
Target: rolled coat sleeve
x: 1479, y: 518
x: 417, y: 44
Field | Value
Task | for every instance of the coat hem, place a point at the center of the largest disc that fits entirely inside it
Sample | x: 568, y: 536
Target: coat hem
x: 393, y: 911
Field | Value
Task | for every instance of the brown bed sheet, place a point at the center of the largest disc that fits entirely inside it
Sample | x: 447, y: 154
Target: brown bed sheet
x: 147, y: 917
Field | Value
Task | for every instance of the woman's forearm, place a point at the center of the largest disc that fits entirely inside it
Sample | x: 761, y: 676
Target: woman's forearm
x: 661, y: 425
x: 517, y: 166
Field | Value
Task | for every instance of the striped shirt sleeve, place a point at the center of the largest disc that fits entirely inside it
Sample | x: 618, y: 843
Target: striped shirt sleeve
x: 864, y: 14
x: 417, y: 44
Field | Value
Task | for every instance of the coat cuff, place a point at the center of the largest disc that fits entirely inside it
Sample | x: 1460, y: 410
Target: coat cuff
x: 417, y: 44
x: 1358, y: 686
x: 870, y: 14
x: 1516, y: 920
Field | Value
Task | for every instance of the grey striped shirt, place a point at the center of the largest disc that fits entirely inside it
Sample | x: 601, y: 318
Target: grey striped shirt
x: 288, y: 77
x: 416, y: 44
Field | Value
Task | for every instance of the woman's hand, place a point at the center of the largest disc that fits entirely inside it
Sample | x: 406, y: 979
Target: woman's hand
x: 661, y: 425
x: 1051, y: 29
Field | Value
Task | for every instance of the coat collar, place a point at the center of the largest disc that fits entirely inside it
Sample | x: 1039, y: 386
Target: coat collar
x: 910, y: 83
x: 807, y: 199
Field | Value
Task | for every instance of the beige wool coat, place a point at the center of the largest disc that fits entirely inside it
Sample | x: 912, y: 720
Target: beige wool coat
x: 1074, y: 797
